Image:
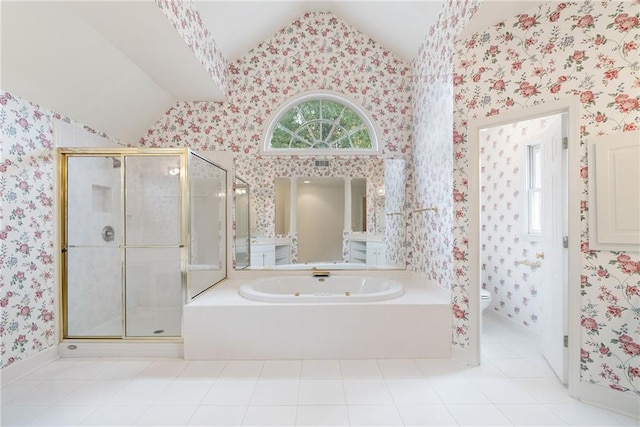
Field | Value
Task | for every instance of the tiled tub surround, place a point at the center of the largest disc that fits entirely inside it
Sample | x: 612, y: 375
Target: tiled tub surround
x: 220, y: 324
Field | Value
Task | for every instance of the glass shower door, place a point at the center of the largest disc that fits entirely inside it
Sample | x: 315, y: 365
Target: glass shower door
x: 153, y: 246
x: 93, y: 225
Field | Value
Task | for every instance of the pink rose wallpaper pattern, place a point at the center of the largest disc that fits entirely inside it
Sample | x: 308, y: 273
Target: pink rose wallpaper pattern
x: 430, y: 246
x: 514, y: 286
x: 316, y: 52
x: 188, y: 23
x: 261, y: 172
x: 27, y: 290
x: 27, y: 296
x: 588, y: 50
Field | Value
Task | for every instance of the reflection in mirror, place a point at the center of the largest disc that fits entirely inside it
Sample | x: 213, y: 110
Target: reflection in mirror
x: 317, y: 215
x: 322, y: 222
x: 242, y: 244
x: 365, y: 207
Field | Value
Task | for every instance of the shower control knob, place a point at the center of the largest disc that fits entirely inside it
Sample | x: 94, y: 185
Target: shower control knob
x: 108, y: 233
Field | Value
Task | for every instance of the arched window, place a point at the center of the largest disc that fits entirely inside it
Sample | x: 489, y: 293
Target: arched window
x: 321, y: 123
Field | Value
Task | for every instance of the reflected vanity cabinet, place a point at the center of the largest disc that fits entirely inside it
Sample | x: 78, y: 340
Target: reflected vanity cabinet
x: 270, y: 254
x: 358, y: 251
x: 263, y: 255
x: 375, y: 253
x: 369, y: 252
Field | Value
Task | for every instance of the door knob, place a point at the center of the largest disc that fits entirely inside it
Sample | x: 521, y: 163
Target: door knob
x: 540, y: 255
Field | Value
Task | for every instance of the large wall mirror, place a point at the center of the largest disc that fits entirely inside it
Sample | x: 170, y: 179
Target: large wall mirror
x: 345, y: 214
x: 242, y: 224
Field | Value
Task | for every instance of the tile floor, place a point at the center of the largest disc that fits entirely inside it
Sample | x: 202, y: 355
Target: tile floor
x: 513, y: 387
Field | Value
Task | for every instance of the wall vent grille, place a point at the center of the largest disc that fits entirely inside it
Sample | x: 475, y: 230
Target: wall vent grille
x: 322, y: 163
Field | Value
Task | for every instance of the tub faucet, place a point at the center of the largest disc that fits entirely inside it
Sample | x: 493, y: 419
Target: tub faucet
x: 320, y: 273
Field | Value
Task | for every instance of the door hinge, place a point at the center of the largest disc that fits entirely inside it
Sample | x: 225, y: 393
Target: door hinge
x: 566, y: 341
x: 565, y: 242
x: 565, y: 142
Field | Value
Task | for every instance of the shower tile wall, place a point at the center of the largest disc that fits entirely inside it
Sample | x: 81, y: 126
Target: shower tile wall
x: 153, y: 279
x: 95, y: 293
x: 514, y: 286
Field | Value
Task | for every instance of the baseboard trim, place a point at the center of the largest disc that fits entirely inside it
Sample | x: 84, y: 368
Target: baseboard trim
x: 625, y: 403
x: 82, y: 348
x: 461, y: 355
x: 23, y: 367
x: 522, y: 330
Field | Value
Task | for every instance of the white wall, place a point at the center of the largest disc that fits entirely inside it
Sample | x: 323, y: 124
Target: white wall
x: 320, y: 220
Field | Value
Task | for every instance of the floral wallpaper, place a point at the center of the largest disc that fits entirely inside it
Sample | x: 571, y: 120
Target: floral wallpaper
x: 588, y: 50
x: 316, y: 52
x: 28, y: 312
x: 27, y: 322
x: 394, y: 202
x: 186, y: 20
x: 514, y: 286
x: 261, y: 172
x: 430, y: 245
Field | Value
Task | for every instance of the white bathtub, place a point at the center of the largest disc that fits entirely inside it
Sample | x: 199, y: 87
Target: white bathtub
x: 306, y: 289
x: 222, y: 325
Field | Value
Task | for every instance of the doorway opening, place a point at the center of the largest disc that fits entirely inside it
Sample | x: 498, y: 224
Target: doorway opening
x: 526, y: 246
x: 523, y: 226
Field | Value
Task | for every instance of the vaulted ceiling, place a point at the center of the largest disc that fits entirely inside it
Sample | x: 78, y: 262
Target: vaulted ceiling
x: 117, y: 66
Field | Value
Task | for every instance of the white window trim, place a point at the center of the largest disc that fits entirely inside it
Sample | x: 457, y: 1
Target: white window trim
x: 265, y: 148
x: 525, y: 218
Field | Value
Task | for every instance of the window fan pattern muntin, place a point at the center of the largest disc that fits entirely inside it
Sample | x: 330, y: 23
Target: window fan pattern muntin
x: 322, y: 122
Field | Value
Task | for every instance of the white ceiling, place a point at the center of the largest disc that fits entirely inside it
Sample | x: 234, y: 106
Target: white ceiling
x: 239, y: 26
x: 114, y: 66
x: 118, y: 66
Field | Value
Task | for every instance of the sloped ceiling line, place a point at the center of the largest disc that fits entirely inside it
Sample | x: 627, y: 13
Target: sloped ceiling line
x: 187, y: 21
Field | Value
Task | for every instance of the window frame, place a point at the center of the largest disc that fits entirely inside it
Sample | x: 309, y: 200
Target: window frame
x: 266, y: 148
x: 531, y: 190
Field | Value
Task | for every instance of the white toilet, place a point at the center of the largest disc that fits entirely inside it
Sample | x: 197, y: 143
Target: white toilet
x: 485, y: 298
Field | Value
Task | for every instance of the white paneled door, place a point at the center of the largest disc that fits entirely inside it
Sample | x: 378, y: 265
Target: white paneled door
x: 554, y: 254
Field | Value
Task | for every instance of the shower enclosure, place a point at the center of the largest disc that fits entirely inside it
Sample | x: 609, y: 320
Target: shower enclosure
x: 143, y: 231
